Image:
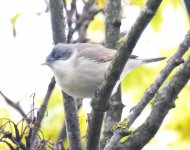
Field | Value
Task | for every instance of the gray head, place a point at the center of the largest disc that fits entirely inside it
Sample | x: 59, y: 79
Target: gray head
x: 60, y: 52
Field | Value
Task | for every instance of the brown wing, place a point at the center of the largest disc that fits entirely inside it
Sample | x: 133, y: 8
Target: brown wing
x: 95, y: 52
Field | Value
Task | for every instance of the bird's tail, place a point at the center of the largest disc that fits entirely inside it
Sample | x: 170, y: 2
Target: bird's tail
x: 153, y: 59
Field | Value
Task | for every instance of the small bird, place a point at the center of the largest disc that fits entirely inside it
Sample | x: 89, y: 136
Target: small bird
x: 79, y: 68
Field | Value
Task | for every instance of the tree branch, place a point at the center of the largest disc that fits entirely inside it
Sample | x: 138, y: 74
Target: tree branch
x: 174, y: 61
x: 103, y: 92
x: 58, y: 32
x: 187, y: 5
x: 70, y: 15
x: 112, y: 22
x: 14, y: 105
x: 57, y: 21
x: 112, y: 116
x: 83, y: 21
x: 89, y: 17
x: 63, y: 133
x: 112, y: 27
x: 42, y: 110
x: 72, y: 126
x: 163, y: 102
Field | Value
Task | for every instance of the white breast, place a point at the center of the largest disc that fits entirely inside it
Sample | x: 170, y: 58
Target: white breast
x: 80, y: 79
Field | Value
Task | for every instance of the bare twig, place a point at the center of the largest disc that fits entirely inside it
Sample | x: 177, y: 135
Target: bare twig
x: 42, y: 110
x: 83, y: 21
x: 103, y: 92
x: 47, y: 5
x: 174, y: 61
x: 82, y: 30
x: 163, y: 102
x: 14, y: 105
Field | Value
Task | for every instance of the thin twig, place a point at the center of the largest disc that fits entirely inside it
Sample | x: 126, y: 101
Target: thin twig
x: 83, y: 20
x: 71, y: 17
x: 42, y: 110
x: 14, y: 105
x: 83, y: 28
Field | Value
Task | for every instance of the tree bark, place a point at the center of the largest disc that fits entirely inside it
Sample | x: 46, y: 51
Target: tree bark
x: 100, y: 101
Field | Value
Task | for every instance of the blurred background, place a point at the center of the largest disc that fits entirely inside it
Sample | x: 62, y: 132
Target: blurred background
x: 26, y: 40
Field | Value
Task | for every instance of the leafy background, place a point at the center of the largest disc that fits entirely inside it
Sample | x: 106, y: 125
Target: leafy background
x: 25, y: 37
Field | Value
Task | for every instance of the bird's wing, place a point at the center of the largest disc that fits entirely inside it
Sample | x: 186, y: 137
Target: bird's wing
x: 95, y: 52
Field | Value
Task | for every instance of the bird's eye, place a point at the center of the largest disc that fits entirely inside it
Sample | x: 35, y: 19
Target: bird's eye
x: 63, y: 55
x: 55, y: 55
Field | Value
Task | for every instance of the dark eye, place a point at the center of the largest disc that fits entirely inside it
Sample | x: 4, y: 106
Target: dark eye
x: 56, y: 55
x: 61, y: 55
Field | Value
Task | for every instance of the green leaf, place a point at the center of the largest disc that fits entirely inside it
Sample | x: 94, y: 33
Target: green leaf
x: 13, y: 22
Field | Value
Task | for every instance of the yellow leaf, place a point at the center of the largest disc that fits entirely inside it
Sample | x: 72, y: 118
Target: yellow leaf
x: 100, y: 3
x: 137, y: 2
x: 13, y: 22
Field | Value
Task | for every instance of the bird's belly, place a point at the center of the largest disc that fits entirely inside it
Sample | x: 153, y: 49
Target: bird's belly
x: 80, y: 85
x: 80, y: 79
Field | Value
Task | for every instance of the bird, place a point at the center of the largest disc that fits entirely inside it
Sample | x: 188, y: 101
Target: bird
x: 78, y: 68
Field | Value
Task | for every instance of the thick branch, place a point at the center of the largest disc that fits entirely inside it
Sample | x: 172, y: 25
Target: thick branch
x: 174, y: 61
x: 112, y: 27
x: 72, y: 126
x: 112, y: 116
x: 112, y: 22
x: 102, y: 94
x: 57, y: 21
x: 163, y: 102
x: 63, y: 134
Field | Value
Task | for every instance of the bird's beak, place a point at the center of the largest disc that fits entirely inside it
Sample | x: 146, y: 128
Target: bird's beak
x: 45, y: 63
